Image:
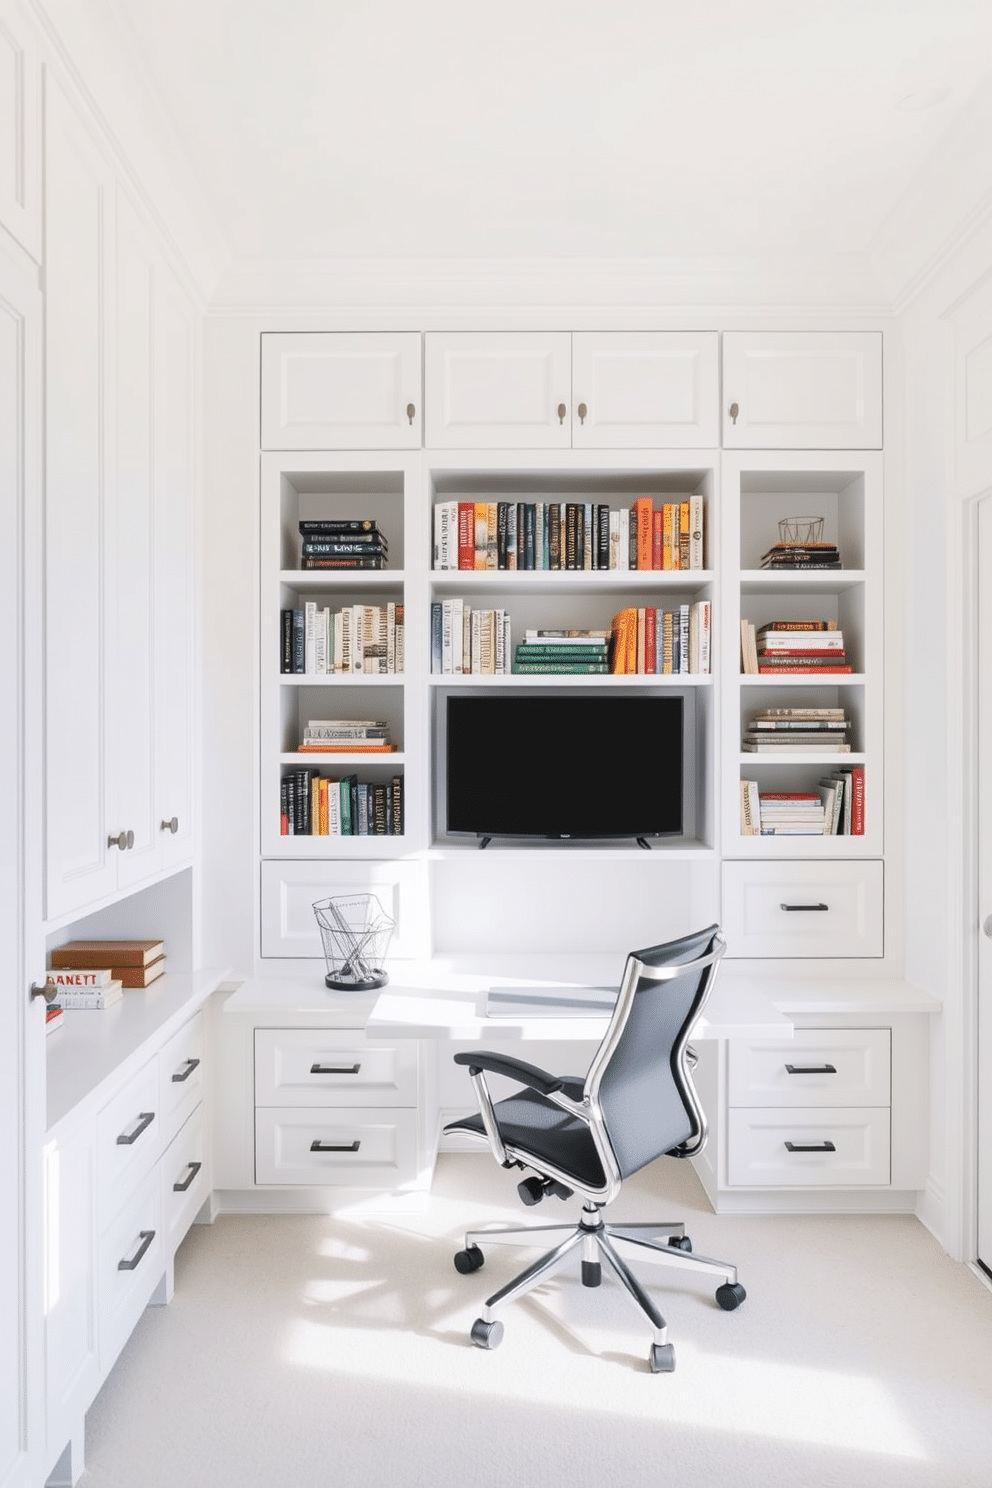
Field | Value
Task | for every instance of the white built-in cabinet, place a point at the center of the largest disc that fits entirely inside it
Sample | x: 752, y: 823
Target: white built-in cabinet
x: 571, y: 390
x: 341, y: 391
x: 814, y: 390
x: 120, y: 356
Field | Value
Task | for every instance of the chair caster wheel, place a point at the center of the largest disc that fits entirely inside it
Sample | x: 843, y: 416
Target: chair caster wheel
x: 487, y: 1335
x: 680, y: 1242
x: 730, y: 1295
x: 467, y: 1261
x: 531, y: 1191
x: 662, y: 1358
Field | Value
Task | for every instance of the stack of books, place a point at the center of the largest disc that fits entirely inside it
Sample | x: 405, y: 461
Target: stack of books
x: 467, y: 640
x: 793, y: 648
x: 787, y: 731
x: 346, y: 736
x: 666, y: 642
x: 565, y: 652
x: 346, y: 543
x: 584, y: 535
x: 780, y: 813
x: 803, y: 555
x: 94, y: 973
x: 361, y: 638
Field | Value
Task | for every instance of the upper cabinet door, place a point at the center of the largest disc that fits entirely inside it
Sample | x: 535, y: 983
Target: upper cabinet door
x: 339, y: 391
x: 645, y: 390
x: 498, y: 390
x: 20, y: 131
x: 802, y: 390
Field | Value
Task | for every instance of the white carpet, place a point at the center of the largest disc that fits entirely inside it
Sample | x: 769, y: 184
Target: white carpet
x: 325, y: 1351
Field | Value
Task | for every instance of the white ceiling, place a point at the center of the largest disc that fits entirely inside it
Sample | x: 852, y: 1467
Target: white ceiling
x: 522, y: 129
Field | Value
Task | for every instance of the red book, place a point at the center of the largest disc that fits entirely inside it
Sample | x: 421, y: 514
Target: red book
x: 856, y: 775
x: 466, y: 534
x: 801, y: 671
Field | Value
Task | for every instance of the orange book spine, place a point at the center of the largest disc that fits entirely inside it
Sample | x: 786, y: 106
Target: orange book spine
x: 644, y: 515
x: 666, y: 537
x: 650, y: 638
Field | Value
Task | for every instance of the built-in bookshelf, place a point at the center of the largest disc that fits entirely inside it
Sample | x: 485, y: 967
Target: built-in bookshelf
x: 759, y: 493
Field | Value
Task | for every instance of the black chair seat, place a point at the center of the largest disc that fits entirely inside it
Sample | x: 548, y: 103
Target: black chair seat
x: 543, y: 1132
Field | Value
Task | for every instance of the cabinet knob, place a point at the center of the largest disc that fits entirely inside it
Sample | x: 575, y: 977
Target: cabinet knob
x: 172, y: 825
x: 734, y: 411
x: 48, y: 989
x: 411, y: 412
x: 123, y: 840
x: 987, y: 926
x: 582, y: 410
x: 562, y: 410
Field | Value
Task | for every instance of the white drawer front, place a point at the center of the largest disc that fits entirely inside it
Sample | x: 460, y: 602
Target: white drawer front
x: 128, y: 1138
x: 817, y: 1067
x: 798, y: 909
x: 130, y: 1264
x: 312, y: 1067
x: 843, y: 1147
x: 350, y: 1148
x: 181, y: 1076
x: 185, y: 1180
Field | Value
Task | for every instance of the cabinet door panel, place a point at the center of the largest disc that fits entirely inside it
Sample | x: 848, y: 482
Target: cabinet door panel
x: 339, y: 391
x: 79, y: 747
x: 500, y: 389
x: 644, y: 389
x: 802, y: 390
x: 20, y: 133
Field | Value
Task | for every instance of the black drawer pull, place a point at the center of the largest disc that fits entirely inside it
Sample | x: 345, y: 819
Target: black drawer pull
x: 184, y: 1074
x: 318, y: 1146
x: 144, y: 1121
x: 811, y: 1069
x: 804, y: 908
x: 810, y: 1147
x: 335, y: 1069
x: 131, y: 1263
x: 187, y: 1182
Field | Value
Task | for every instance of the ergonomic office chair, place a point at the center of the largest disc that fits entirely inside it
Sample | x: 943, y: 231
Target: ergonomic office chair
x: 585, y: 1135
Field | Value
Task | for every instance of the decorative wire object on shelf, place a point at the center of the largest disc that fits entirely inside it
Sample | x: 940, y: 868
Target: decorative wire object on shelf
x: 355, y: 931
x: 800, y: 530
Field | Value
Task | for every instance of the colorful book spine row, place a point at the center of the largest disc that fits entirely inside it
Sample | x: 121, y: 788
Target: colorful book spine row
x: 360, y: 639
x: 580, y: 535
x: 312, y: 805
x: 664, y: 642
x: 466, y: 639
x: 834, y: 807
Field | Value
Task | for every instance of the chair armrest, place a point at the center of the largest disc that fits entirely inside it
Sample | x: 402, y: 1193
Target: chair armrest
x: 515, y: 1069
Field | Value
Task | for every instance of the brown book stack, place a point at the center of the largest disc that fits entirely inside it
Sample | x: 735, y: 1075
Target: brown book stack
x: 134, y: 963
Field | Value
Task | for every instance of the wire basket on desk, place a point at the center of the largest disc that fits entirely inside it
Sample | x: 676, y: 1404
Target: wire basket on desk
x: 355, y: 931
x: 800, y: 530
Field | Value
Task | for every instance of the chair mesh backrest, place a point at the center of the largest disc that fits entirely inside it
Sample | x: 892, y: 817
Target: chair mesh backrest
x: 642, y: 1087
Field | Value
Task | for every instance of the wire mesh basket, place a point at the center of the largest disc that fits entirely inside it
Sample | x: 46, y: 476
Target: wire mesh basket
x: 800, y: 530
x: 355, y: 931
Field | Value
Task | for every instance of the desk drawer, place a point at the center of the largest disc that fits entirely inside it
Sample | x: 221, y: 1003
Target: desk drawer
x: 182, y: 1076
x: 185, y: 1180
x: 128, y: 1138
x: 850, y: 1147
x: 817, y: 1067
x: 131, y: 1262
x: 799, y: 909
x: 313, y: 1067
x: 357, y: 1148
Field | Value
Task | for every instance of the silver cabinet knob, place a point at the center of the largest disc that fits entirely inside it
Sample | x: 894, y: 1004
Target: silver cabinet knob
x: 411, y: 412
x: 562, y: 411
x: 734, y: 411
x: 123, y: 840
x: 987, y: 926
x: 48, y: 989
x: 172, y: 825
x: 582, y: 410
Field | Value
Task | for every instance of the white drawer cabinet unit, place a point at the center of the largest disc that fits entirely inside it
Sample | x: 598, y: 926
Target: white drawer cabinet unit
x: 810, y: 390
x: 127, y: 1171
x: 571, y: 390
x: 340, y: 391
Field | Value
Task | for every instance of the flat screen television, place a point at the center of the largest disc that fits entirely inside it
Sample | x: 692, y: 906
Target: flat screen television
x: 564, y: 766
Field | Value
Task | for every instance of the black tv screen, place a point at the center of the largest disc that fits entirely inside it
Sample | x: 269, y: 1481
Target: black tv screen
x: 564, y: 766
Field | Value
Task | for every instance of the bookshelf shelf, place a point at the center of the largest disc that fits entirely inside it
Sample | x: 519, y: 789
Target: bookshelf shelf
x: 641, y: 680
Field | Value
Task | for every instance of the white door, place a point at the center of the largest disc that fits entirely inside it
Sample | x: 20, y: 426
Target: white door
x: 985, y: 887
x: 22, y: 1035
x: 498, y: 389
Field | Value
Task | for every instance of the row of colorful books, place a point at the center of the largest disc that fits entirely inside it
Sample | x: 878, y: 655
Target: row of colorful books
x: 663, y: 642
x: 835, y: 806
x: 579, y: 535
x: 93, y: 974
x: 467, y: 639
x: 793, y: 648
x: 357, y: 639
x: 313, y: 805
x: 346, y: 543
